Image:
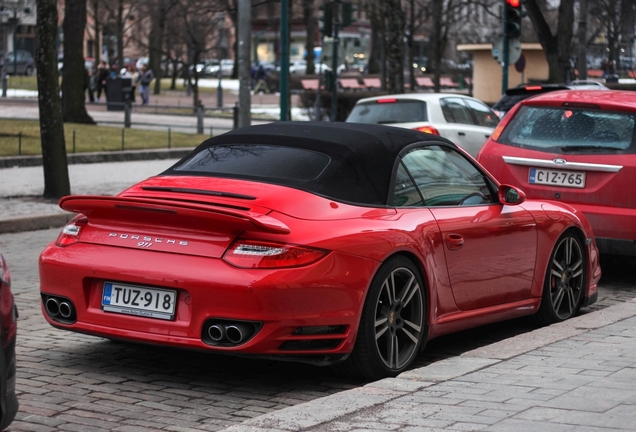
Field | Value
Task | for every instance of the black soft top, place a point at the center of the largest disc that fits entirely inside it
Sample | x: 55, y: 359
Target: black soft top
x: 362, y: 156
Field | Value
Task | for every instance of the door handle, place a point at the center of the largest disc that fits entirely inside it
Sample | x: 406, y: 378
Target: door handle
x: 461, y: 134
x: 454, y: 241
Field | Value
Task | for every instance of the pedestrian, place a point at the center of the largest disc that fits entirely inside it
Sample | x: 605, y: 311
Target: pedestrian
x: 261, y: 84
x: 91, y: 84
x: 144, y: 80
x: 134, y: 75
x: 100, y: 77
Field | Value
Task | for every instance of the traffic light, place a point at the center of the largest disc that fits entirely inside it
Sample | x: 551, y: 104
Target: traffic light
x: 347, y: 13
x: 327, y: 19
x: 513, y: 18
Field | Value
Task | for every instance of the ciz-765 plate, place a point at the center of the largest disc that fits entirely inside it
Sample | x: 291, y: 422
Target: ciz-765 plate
x: 139, y: 300
x: 575, y: 179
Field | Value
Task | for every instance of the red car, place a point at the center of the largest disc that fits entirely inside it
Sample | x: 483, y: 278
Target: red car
x: 316, y: 242
x: 577, y: 147
x: 8, y: 331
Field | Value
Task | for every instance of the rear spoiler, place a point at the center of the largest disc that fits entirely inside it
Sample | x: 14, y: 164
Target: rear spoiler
x: 142, y: 209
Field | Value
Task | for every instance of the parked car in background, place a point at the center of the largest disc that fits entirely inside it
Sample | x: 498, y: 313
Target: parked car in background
x: 8, y: 332
x: 524, y: 91
x: 299, y: 67
x: 21, y: 64
x: 315, y: 242
x: 577, y: 147
x: 464, y: 120
x: 89, y: 63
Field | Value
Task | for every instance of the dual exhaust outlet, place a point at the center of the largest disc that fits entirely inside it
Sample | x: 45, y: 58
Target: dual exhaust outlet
x: 59, y: 309
x: 229, y: 333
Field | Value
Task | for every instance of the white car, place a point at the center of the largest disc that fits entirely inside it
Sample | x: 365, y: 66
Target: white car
x: 299, y: 67
x: 464, y: 120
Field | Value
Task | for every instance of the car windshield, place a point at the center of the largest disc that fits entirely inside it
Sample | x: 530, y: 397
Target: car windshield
x: 387, y: 112
x: 565, y: 130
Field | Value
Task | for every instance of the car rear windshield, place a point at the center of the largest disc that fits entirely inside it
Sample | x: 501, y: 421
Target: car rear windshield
x: 255, y: 161
x: 565, y: 130
x: 389, y: 111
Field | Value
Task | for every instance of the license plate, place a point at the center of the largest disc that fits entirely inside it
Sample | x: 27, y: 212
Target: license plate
x: 137, y: 300
x: 575, y: 179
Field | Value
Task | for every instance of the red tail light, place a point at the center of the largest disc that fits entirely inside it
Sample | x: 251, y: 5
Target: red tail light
x: 8, y: 312
x: 267, y: 255
x: 504, y: 122
x: 389, y: 100
x: 428, y: 130
x: 71, y: 232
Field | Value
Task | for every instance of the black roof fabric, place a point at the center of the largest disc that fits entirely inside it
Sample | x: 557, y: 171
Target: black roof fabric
x: 362, y: 155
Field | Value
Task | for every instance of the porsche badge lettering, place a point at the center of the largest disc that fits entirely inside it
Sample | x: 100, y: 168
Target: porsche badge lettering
x: 147, y: 241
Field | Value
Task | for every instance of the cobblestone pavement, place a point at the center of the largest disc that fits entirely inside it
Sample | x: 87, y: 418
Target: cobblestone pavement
x: 73, y: 382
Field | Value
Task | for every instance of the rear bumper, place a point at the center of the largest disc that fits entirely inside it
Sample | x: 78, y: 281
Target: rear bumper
x: 326, y: 293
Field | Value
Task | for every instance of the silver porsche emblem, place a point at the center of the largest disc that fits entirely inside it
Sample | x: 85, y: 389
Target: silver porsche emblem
x: 147, y: 241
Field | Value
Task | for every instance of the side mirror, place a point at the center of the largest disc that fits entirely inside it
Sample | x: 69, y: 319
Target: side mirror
x: 510, y: 195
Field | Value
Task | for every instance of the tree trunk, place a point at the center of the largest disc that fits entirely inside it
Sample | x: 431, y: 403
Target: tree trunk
x: 557, y: 48
x: 395, y: 46
x: 74, y: 74
x: 56, y: 180
x: 411, y: 44
x: 98, y: 34
x: 308, y: 14
x: 119, y: 25
x: 437, y: 43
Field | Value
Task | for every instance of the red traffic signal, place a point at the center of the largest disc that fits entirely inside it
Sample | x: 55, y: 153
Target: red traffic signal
x: 514, y: 3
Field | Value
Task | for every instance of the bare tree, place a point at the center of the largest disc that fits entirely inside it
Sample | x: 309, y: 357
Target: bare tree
x: 308, y: 16
x: 74, y: 74
x: 395, y: 45
x: 56, y: 180
x: 557, y: 43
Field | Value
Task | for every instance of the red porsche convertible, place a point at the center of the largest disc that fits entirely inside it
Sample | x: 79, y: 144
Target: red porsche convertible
x: 317, y: 242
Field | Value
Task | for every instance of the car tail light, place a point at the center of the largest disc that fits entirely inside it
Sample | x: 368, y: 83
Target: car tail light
x: 504, y: 122
x: 71, y: 232
x: 8, y: 312
x: 264, y: 255
x: 428, y: 129
x: 388, y: 100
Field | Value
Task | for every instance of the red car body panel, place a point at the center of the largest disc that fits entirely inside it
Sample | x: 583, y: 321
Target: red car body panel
x: 284, y: 253
x: 328, y: 292
x: 604, y: 201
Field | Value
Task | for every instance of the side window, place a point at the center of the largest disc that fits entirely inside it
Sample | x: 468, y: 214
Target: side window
x: 446, y: 178
x: 484, y: 115
x: 405, y: 193
x: 455, y: 111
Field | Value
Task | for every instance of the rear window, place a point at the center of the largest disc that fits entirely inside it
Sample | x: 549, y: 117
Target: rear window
x: 255, y: 161
x: 389, y: 111
x: 564, y: 130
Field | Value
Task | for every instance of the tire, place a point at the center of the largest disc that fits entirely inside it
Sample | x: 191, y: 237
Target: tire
x: 392, y: 324
x: 28, y: 71
x: 565, y: 281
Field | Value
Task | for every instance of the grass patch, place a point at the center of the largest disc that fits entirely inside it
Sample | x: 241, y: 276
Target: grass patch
x: 22, y: 82
x: 22, y: 137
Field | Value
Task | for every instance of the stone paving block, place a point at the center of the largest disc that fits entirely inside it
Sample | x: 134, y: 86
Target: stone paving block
x: 447, y: 369
x: 539, y: 414
x: 508, y: 425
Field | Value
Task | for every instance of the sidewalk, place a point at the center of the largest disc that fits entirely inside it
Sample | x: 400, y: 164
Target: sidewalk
x: 579, y: 375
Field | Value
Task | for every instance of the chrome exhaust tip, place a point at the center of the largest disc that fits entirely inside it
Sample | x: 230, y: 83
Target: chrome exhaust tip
x: 216, y: 332
x: 52, y: 306
x: 66, y: 310
x: 237, y: 333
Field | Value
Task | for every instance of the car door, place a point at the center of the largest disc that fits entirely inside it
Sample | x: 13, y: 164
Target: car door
x: 490, y: 248
x: 462, y: 125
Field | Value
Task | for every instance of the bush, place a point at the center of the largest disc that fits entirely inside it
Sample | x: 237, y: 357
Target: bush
x: 346, y: 101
